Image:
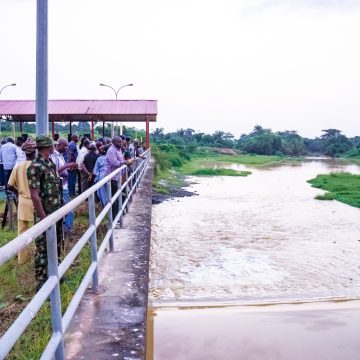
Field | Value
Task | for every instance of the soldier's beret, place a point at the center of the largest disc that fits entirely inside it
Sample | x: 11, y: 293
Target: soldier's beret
x: 44, y: 141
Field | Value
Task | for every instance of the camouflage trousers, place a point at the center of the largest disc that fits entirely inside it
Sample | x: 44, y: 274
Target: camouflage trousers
x: 41, y: 259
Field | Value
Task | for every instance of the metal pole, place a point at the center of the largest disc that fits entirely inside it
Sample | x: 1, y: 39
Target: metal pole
x: 11, y: 211
x: 1, y: 90
x: 120, y: 202
x: 110, y: 217
x: 127, y: 189
x: 42, y: 120
x: 93, y: 241
x: 55, y: 300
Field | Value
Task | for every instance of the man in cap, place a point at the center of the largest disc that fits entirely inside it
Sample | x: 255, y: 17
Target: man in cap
x: 45, y: 190
x: 18, y: 184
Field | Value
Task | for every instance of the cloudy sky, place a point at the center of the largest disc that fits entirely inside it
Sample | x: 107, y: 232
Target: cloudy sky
x: 211, y: 64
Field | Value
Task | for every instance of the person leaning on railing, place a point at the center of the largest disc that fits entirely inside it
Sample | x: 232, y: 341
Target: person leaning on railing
x: 99, y: 174
x: 19, y: 185
x: 45, y: 190
x: 114, y: 159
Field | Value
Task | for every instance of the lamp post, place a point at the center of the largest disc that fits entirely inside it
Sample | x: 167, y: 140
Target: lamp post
x: 1, y: 90
x: 116, y: 92
x: 6, y: 87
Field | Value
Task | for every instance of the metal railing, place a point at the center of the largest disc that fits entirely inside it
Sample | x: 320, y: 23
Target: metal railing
x: 51, y: 287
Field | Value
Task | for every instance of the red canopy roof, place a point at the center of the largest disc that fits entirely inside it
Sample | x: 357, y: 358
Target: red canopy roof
x: 83, y: 110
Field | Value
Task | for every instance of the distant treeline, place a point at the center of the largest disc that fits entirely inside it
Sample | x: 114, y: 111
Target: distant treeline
x: 79, y: 128
x: 259, y: 141
x: 264, y: 142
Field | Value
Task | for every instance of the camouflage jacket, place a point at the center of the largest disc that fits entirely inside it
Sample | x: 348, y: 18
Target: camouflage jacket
x: 42, y: 176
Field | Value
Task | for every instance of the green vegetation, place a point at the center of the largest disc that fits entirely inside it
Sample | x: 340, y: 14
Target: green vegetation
x: 213, y: 163
x: 236, y: 157
x: 220, y: 172
x: 344, y: 187
x: 168, y: 159
x: 263, y: 141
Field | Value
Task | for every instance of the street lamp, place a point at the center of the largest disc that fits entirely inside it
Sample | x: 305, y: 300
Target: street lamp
x: 13, y: 124
x: 116, y: 97
x: 6, y: 87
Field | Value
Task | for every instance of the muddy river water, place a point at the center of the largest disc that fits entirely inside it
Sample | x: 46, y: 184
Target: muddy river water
x: 248, y: 241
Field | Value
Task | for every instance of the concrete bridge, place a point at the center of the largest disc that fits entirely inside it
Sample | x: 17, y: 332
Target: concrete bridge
x: 111, y: 324
x: 109, y: 320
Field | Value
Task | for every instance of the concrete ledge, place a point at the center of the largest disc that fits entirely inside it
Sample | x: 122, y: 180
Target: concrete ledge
x: 112, y: 324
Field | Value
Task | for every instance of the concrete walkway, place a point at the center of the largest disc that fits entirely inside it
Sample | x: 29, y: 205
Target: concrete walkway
x: 112, y: 324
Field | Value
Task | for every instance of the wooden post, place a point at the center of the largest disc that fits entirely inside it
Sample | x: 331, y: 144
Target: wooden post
x: 92, y: 129
x: 70, y: 129
x: 52, y: 128
x: 147, y: 133
x: 103, y: 129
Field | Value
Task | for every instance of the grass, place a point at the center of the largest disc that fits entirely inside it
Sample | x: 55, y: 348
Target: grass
x: 220, y: 172
x: 209, y: 162
x: 344, y: 187
x: 18, y: 287
x: 245, y: 159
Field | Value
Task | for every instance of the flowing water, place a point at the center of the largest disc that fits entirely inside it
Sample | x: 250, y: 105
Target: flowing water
x: 255, y: 240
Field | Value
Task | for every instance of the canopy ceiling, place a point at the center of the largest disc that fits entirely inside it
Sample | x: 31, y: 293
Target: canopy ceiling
x: 83, y: 110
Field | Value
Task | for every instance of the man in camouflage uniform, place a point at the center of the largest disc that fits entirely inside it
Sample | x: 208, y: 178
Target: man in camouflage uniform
x: 45, y: 190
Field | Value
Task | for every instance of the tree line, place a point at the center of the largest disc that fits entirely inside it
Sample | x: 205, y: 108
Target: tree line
x: 264, y: 142
x: 260, y: 140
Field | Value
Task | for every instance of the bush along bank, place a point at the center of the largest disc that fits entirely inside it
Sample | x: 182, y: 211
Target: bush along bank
x: 344, y: 187
x: 168, y: 182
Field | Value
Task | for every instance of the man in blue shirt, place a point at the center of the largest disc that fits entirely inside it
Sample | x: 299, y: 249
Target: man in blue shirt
x: 71, y: 156
x: 8, y: 155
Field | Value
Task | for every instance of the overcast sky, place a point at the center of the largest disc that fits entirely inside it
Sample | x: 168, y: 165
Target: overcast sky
x: 211, y: 64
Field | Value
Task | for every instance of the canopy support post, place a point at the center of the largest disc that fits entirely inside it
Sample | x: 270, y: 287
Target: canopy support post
x: 147, y: 133
x: 92, y: 129
x: 52, y: 128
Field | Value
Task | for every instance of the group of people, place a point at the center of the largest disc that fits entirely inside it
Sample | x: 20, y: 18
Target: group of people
x: 45, y: 182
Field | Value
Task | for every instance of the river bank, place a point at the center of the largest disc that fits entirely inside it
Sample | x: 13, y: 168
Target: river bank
x: 171, y: 183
